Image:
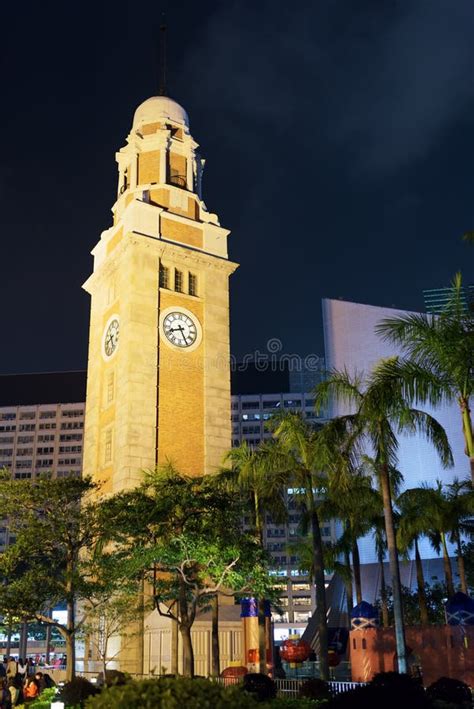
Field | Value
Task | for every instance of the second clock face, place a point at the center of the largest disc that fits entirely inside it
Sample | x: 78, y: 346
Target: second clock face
x: 111, y: 337
x: 180, y: 329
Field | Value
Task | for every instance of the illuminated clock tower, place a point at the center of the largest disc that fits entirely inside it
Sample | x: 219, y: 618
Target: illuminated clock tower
x: 158, y: 386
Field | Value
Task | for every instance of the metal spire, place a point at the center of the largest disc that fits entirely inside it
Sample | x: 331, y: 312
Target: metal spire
x: 162, y: 88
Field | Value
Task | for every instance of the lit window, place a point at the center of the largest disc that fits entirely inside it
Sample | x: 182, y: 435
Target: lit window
x: 108, y: 446
x: 178, y: 281
x: 192, y: 284
x: 164, y: 276
x: 110, y: 387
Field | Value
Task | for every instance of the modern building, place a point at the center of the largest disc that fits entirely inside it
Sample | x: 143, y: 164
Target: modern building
x: 41, y: 426
x: 436, y: 299
x: 351, y: 344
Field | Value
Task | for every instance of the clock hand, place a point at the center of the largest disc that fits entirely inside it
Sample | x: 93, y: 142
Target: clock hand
x: 180, y: 327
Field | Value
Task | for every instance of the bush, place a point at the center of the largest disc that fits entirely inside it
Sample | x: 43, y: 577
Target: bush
x: 172, y: 694
x: 44, y: 700
x: 259, y: 686
x: 386, y: 691
x: 315, y: 689
x: 450, y: 690
x: 76, y: 692
x: 292, y: 703
x: 115, y: 677
x: 368, y: 697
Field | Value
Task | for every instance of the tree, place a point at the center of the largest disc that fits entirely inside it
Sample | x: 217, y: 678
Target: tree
x: 105, y: 621
x: 460, y: 498
x: 299, y: 455
x: 439, y: 362
x: 183, y: 537
x: 255, y: 474
x: 414, y: 522
x: 435, y: 598
x: 357, y: 503
x: 55, y: 525
x: 381, y: 412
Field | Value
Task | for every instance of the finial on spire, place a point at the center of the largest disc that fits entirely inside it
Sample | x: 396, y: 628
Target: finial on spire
x: 162, y: 87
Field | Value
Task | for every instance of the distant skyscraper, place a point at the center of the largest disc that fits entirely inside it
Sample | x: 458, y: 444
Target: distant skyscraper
x: 436, y: 299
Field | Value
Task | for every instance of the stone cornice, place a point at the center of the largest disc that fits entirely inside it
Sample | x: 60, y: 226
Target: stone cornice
x: 160, y: 246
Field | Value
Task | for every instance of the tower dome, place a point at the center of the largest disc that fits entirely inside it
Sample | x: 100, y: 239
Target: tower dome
x: 158, y: 109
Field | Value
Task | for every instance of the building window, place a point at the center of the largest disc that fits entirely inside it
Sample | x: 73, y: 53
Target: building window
x: 47, y: 414
x: 108, y: 446
x: 110, y: 387
x: 178, y: 281
x: 192, y: 283
x: 164, y: 276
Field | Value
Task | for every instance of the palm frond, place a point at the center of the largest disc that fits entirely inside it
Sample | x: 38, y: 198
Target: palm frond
x: 415, y: 421
x: 339, y: 386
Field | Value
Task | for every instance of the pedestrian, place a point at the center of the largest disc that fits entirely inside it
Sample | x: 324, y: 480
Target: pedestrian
x: 14, y: 687
x: 31, y: 690
x: 12, y: 668
x: 39, y: 677
x: 22, y: 668
x: 5, y: 696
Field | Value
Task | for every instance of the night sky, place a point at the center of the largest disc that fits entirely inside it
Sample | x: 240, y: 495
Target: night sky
x: 338, y: 135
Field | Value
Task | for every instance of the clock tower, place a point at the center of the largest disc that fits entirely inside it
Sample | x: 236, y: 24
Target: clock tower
x: 158, y: 386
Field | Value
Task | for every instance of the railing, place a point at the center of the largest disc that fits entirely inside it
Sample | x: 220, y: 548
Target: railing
x: 291, y: 687
x: 285, y: 687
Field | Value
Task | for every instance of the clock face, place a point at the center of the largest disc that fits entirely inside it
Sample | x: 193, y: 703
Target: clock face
x: 111, y: 337
x: 180, y: 329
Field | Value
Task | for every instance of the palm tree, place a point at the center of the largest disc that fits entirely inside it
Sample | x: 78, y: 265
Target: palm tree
x: 460, y: 496
x: 357, y: 503
x: 255, y: 473
x: 440, y: 357
x: 414, y: 523
x: 381, y: 550
x: 449, y: 514
x: 381, y: 413
x: 299, y: 453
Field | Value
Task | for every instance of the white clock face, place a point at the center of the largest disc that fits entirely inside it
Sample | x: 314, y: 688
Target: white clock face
x: 180, y: 329
x: 111, y: 337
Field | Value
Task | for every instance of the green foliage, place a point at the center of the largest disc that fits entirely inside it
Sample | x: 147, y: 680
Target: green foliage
x: 76, y: 692
x: 451, y: 691
x: 184, y: 537
x: 172, y: 694
x: 388, y: 690
x: 468, y: 554
x: 315, y: 689
x: 292, y: 703
x: 57, y: 527
x: 259, y: 686
x: 435, y: 596
x: 44, y: 700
